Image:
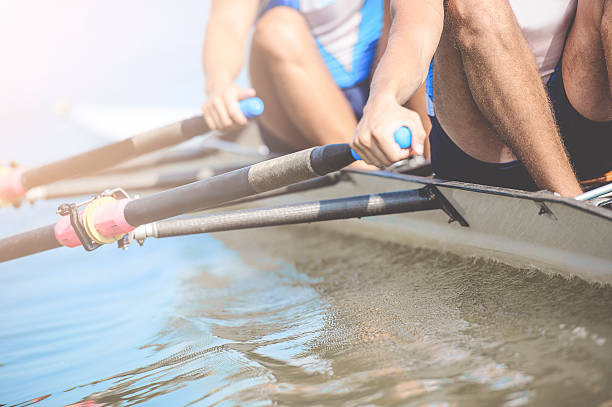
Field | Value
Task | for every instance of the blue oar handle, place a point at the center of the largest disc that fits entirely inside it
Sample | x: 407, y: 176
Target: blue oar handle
x: 251, y: 107
x: 403, y: 137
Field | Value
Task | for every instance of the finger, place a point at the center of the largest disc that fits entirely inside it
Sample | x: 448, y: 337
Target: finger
x: 388, y: 149
x: 222, y: 113
x: 370, y: 154
x: 419, y: 136
x: 392, y: 152
x: 208, y: 119
x: 215, y: 117
x: 361, y: 145
x: 233, y: 108
x: 381, y: 156
x: 246, y: 93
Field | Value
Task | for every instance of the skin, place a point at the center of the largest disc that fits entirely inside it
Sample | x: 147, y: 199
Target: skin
x: 401, y: 72
x: 496, y: 122
x: 304, y: 106
x: 418, y: 102
x: 588, y: 80
x: 223, y: 56
x: 289, y: 74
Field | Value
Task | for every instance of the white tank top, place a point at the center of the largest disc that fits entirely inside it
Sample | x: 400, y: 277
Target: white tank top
x: 545, y: 24
x: 346, y: 32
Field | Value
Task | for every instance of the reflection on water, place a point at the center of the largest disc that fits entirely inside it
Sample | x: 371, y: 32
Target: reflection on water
x: 300, y: 316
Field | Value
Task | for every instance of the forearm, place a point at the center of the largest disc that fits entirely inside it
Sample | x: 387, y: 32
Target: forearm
x: 506, y: 87
x: 413, y: 38
x: 225, y: 42
x: 384, y: 35
x: 222, y: 64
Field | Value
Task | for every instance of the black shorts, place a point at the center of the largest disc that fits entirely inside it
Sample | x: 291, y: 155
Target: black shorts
x: 589, y: 145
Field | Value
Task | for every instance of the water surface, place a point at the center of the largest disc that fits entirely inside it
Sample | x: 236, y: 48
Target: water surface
x: 298, y: 316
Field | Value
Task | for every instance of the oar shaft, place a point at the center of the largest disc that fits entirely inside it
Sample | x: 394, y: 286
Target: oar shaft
x: 594, y: 193
x: 28, y: 243
x: 318, y: 211
x: 257, y: 178
x: 129, y: 182
x: 15, y: 184
x: 188, y: 154
x: 120, y: 217
x: 113, y: 154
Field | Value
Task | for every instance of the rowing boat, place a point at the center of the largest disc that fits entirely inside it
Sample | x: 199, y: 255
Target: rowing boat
x: 523, y: 229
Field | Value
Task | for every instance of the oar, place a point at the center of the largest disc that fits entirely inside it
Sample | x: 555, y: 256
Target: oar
x: 334, y: 209
x: 206, y: 148
x: 130, y: 182
x: 16, y: 183
x: 106, y: 220
x: 595, y: 193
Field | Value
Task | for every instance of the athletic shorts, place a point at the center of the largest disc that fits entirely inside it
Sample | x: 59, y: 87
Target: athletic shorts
x: 589, y: 145
x: 357, y: 97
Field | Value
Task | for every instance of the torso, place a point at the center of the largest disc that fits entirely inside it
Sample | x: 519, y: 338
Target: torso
x: 346, y: 32
x: 545, y: 24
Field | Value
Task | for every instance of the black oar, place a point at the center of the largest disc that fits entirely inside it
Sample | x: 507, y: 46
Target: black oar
x: 130, y: 182
x: 334, y: 209
x: 105, y: 220
x: 208, y: 147
x: 17, y: 182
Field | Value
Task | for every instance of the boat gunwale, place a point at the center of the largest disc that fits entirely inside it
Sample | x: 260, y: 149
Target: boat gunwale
x: 539, y: 196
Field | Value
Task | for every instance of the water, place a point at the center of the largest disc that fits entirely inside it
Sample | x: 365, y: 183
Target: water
x: 298, y: 316
x: 289, y: 316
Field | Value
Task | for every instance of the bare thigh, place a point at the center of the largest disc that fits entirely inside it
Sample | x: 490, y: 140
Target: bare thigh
x: 304, y: 106
x: 585, y: 71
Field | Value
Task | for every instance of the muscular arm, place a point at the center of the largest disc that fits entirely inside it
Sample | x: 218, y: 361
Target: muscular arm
x: 222, y: 58
x: 226, y: 41
x: 505, y: 84
x: 384, y: 34
x: 414, y: 34
x: 416, y: 26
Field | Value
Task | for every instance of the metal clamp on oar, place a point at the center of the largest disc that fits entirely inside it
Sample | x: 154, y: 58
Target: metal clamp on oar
x: 101, y: 222
x: 16, y: 182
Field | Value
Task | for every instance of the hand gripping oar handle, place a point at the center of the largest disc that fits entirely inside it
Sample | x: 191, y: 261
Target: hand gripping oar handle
x: 403, y: 137
x: 13, y: 185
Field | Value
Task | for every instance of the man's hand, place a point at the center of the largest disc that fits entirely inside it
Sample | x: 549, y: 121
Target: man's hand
x: 374, y: 140
x: 221, y: 110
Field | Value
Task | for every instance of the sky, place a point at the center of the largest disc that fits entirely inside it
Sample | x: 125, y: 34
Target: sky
x: 109, y: 53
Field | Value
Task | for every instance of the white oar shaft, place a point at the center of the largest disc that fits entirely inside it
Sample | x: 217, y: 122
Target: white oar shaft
x: 594, y: 193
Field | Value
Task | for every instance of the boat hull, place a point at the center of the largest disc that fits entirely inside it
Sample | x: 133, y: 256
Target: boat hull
x: 522, y: 229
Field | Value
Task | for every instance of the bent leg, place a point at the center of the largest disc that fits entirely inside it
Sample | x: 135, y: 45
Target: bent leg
x: 489, y: 95
x: 587, y: 60
x: 304, y: 106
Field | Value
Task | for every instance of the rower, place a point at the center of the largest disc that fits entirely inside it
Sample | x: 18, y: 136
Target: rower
x: 494, y: 66
x: 310, y: 61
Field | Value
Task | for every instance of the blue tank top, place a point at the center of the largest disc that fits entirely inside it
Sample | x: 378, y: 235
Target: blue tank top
x: 346, y: 32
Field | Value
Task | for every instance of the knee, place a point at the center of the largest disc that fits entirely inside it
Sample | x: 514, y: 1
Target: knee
x: 279, y: 33
x: 474, y: 24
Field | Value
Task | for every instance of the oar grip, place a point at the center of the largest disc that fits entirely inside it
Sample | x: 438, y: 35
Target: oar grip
x: 251, y: 107
x: 403, y: 137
